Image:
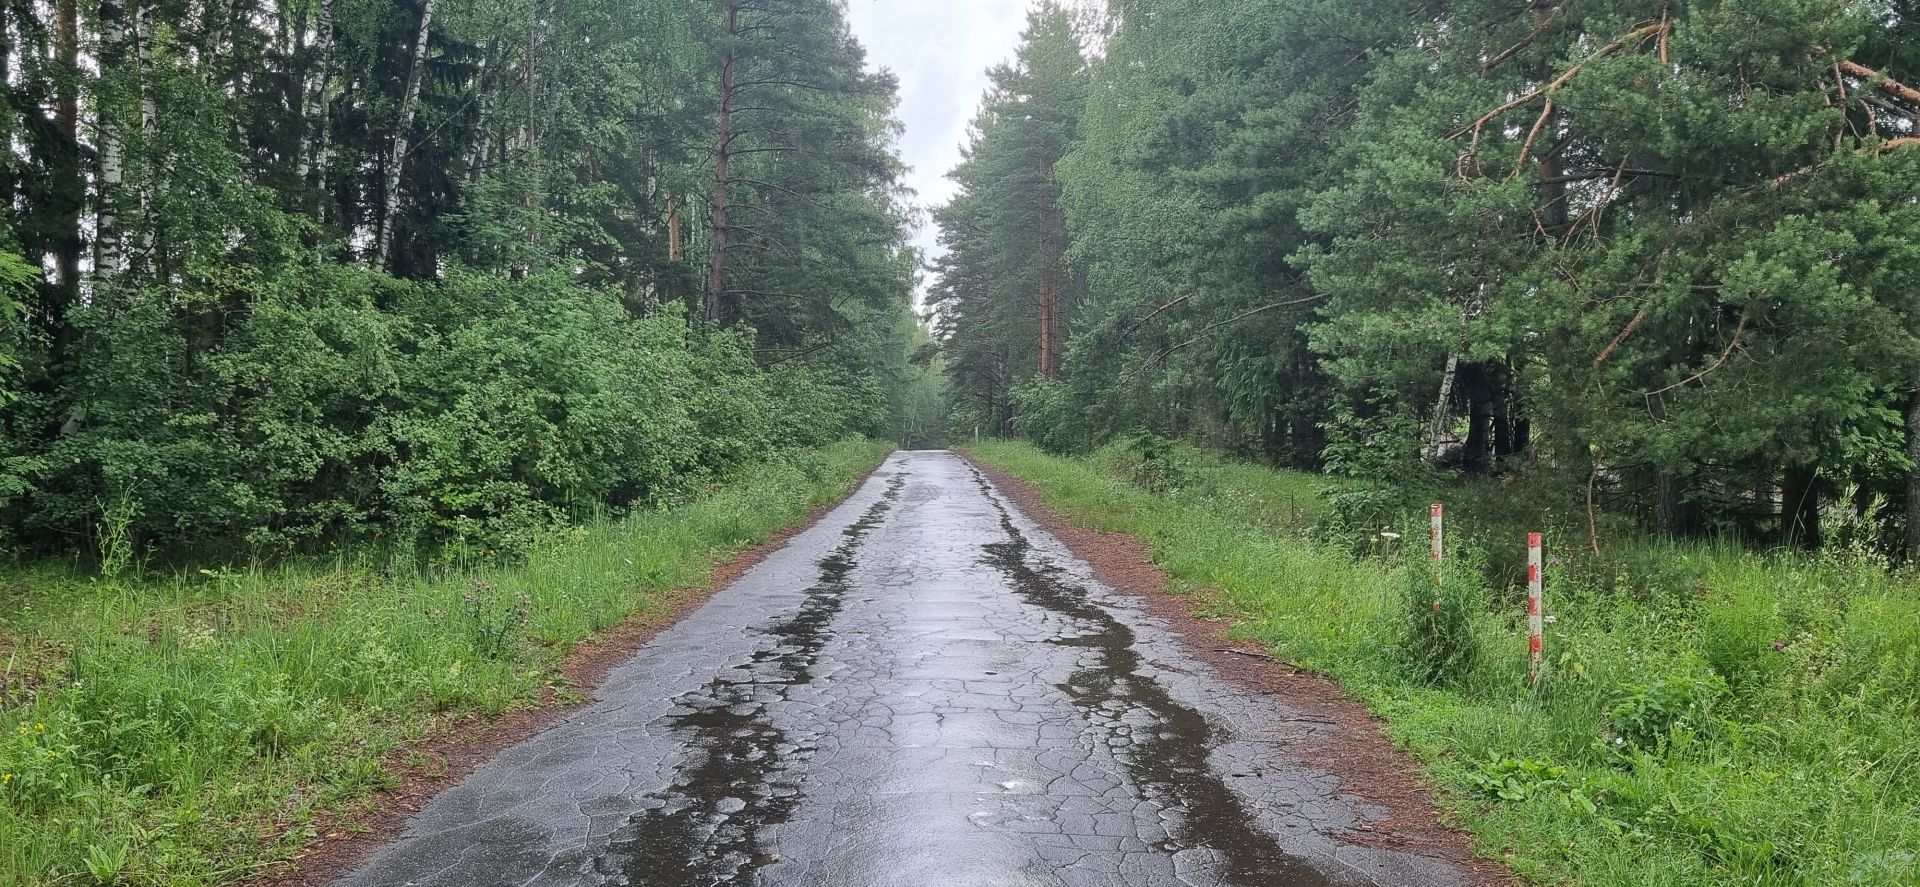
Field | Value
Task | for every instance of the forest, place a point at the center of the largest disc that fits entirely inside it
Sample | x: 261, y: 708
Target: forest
x: 366, y: 364
x: 285, y: 277
x: 1652, y: 258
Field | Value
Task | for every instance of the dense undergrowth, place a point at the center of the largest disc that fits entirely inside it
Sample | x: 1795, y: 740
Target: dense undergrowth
x: 188, y: 729
x: 1708, y: 715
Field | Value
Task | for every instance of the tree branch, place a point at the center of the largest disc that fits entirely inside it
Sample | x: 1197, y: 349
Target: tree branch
x: 1724, y: 355
x: 1211, y: 328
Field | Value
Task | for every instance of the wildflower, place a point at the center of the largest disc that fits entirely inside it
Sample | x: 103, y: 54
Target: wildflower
x: 1779, y: 646
x: 1389, y: 535
x: 1551, y: 619
x: 5, y: 778
x: 40, y: 728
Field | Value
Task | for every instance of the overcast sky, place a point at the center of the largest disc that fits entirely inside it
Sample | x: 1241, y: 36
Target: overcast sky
x: 941, y: 50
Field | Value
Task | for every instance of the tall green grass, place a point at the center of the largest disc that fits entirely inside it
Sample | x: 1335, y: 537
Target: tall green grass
x: 1708, y: 716
x: 188, y: 729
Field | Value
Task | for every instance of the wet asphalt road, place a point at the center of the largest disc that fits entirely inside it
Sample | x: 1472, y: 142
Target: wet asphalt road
x: 923, y: 690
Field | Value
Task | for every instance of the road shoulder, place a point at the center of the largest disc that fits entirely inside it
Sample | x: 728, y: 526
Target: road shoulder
x: 456, y: 749
x: 1367, y: 764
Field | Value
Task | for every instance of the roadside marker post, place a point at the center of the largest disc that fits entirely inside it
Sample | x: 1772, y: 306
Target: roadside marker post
x: 1534, y: 618
x: 1437, y: 513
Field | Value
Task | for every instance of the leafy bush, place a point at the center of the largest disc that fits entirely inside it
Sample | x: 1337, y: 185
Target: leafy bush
x: 1053, y: 415
x: 1655, y: 715
x: 345, y: 406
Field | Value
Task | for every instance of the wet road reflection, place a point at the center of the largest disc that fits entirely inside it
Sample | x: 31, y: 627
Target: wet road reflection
x: 923, y: 689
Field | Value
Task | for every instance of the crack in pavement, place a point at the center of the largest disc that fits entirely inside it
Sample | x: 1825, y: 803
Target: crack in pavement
x: 713, y: 816
x: 1166, y: 758
x: 922, y: 689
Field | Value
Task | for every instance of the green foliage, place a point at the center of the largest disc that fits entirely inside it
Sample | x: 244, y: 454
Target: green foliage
x: 1646, y: 248
x: 1003, y: 292
x: 287, y: 338
x: 1743, y: 640
x: 1634, y: 762
x: 1664, y: 712
x: 1518, y: 779
x: 195, y: 713
x: 1440, y: 603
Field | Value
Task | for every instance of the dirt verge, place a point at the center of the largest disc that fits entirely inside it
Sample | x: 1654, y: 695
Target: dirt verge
x: 457, y: 747
x: 1368, y: 765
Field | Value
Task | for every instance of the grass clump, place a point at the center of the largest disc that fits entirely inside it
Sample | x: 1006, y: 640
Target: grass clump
x: 189, y: 729
x: 1707, y: 716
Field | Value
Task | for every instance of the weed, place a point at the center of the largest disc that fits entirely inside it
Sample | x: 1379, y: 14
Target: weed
x: 1440, y: 606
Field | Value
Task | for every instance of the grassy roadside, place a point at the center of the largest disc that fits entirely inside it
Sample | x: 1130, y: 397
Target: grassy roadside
x: 1710, y: 716
x: 158, y: 731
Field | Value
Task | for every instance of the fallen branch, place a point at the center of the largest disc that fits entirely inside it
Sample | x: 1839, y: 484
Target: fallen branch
x: 1882, y: 82
x: 1724, y: 355
x: 1211, y: 328
x: 1151, y: 315
x: 1526, y: 41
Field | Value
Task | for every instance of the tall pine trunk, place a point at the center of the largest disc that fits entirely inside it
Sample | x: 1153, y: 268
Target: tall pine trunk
x: 402, y: 143
x: 722, y: 307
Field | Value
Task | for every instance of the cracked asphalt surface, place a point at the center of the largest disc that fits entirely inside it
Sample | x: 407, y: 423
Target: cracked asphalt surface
x: 924, y: 688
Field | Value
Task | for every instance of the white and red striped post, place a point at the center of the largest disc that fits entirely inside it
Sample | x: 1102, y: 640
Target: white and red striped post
x: 1534, y: 618
x: 1437, y: 513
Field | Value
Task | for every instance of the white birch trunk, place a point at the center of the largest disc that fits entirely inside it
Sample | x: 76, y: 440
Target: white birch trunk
x: 1442, y: 409
x: 314, y: 119
x: 109, y: 244
x: 397, y: 157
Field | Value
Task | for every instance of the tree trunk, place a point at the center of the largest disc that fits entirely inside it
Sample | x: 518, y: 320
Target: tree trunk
x: 482, y: 152
x: 1484, y: 389
x: 1677, y: 516
x: 1441, y: 407
x: 109, y: 245
x: 149, y: 126
x: 314, y: 117
x: 1800, y: 508
x: 673, y: 229
x: 722, y: 307
x: 1047, y: 370
x: 69, y: 177
x: 1913, y: 474
x: 397, y: 156
x: 1478, y: 458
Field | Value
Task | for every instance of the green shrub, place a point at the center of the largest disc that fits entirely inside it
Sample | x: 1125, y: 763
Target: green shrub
x: 1440, y: 604
x: 1668, y: 710
x: 1742, y: 639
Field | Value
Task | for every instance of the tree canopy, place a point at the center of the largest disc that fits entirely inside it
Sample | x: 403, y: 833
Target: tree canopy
x: 1657, y: 250
x: 316, y: 270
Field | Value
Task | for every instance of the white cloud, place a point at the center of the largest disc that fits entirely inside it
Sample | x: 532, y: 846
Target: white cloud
x: 940, y: 50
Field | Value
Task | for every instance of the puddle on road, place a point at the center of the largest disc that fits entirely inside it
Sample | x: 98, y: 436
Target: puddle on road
x: 742, y: 776
x: 1166, y: 759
